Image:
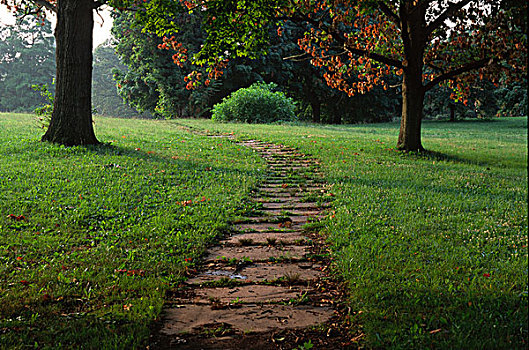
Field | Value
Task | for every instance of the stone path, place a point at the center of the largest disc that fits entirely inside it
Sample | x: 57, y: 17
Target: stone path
x: 260, y: 288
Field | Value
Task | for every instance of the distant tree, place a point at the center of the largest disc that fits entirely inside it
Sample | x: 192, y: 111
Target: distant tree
x: 512, y: 99
x: 481, y: 102
x: 105, y: 98
x: 152, y: 82
x: 27, y: 57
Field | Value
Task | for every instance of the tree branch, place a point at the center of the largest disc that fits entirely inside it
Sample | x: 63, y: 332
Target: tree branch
x: 45, y: 4
x: 375, y: 56
x: 97, y: 4
x: 298, y: 58
x: 463, y: 69
x: 451, y: 10
x: 340, y: 39
x: 389, y: 12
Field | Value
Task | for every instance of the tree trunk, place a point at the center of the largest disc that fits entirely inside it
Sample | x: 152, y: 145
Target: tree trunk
x: 412, y: 108
x: 414, y: 40
x: 71, y: 121
x: 316, y: 111
x: 452, y: 112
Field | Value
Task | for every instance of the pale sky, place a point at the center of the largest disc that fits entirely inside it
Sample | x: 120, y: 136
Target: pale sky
x: 101, y: 27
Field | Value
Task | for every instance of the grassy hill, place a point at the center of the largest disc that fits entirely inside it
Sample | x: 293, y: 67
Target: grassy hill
x: 432, y: 246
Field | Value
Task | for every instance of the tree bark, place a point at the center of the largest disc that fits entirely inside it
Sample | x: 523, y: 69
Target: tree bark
x: 414, y: 40
x: 412, y: 108
x: 452, y: 108
x: 71, y: 121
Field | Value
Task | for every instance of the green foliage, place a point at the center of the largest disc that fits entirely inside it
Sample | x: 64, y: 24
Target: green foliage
x: 151, y: 82
x: 512, y: 100
x: 43, y: 112
x: 258, y: 103
x: 482, y: 103
x: 27, y: 57
x: 105, y: 97
x: 154, y: 83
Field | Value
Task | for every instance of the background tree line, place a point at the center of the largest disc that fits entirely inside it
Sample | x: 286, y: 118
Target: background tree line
x: 131, y: 70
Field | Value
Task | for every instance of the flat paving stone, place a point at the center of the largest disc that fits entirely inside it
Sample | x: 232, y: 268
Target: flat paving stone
x: 246, y: 318
x: 290, y: 206
x: 289, y: 199
x: 260, y: 227
x: 282, y: 193
x: 247, y: 294
x: 266, y: 237
x: 297, y: 212
x: 267, y: 219
x: 261, y: 272
x: 258, y: 253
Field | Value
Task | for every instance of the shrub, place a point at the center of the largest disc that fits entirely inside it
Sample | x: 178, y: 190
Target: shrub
x: 43, y: 113
x: 259, y: 103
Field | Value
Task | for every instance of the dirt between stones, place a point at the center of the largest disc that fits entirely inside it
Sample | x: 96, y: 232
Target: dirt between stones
x: 261, y: 287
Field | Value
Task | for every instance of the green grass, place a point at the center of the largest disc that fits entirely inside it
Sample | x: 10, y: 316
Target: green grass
x: 107, y: 229
x: 432, y: 245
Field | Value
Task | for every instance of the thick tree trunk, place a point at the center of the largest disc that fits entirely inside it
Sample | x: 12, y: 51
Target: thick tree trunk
x: 412, y: 108
x: 452, y: 108
x: 71, y: 121
x: 414, y: 40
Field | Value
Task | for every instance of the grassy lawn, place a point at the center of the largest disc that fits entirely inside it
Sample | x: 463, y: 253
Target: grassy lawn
x: 434, y: 246
x: 91, y: 238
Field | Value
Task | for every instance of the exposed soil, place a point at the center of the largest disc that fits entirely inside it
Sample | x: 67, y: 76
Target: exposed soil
x: 265, y: 286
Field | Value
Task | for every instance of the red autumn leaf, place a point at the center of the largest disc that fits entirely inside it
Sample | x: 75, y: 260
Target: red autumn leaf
x: 135, y: 273
x: 17, y: 217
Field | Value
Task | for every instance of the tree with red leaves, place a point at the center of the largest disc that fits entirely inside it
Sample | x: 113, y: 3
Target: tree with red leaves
x: 425, y: 42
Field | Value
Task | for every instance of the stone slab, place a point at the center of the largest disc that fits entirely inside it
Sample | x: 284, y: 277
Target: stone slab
x: 265, y: 237
x: 264, y: 219
x: 260, y: 227
x: 295, y: 212
x: 290, y: 199
x: 289, y: 206
x: 261, y: 272
x: 247, y: 318
x: 257, y: 253
x: 247, y: 294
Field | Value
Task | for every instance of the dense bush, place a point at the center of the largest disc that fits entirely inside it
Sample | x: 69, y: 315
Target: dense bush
x: 259, y: 103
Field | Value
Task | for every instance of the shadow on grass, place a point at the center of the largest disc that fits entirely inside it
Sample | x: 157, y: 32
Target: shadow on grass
x: 419, y: 317
x: 439, y: 156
